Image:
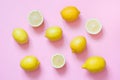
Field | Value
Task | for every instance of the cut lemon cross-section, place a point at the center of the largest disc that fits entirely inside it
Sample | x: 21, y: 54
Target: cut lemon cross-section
x: 35, y: 18
x: 93, y: 26
x: 58, y: 61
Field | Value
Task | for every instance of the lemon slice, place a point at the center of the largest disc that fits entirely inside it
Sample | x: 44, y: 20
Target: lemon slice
x: 93, y: 26
x: 35, y: 18
x: 58, y: 61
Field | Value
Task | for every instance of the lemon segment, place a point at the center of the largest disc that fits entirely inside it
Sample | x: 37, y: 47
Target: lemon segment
x: 78, y: 44
x: 20, y: 35
x: 94, y: 64
x: 35, y: 18
x: 53, y: 33
x: 58, y: 61
x: 70, y: 13
x: 93, y: 26
x: 29, y: 63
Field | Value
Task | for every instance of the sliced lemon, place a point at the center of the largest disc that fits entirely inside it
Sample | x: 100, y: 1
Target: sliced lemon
x: 58, y: 61
x: 35, y: 18
x: 93, y: 26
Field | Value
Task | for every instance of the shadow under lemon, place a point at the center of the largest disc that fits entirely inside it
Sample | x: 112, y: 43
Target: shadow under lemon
x: 40, y: 29
x: 102, y: 75
x: 34, y: 74
x: 62, y: 70
x: 58, y: 43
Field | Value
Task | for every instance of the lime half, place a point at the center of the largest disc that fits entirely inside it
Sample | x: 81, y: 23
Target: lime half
x: 58, y: 61
x: 93, y: 26
x: 35, y: 18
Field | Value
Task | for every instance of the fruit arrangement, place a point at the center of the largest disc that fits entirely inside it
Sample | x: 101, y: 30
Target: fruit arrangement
x: 54, y: 33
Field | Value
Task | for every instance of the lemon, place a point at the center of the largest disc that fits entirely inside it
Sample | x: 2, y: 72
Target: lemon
x: 58, y: 61
x: 20, y: 35
x: 94, y: 64
x: 54, y: 33
x: 35, y: 18
x: 93, y: 26
x: 70, y: 13
x: 78, y: 44
x: 29, y: 63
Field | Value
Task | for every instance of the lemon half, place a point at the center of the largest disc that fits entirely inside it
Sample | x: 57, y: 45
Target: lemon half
x: 35, y: 18
x: 58, y: 61
x: 94, y: 64
x: 29, y: 63
x: 93, y: 26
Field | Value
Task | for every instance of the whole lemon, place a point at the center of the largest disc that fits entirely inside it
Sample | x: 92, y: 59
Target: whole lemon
x: 29, y: 63
x: 70, y: 13
x: 54, y: 33
x: 78, y: 44
x: 94, y: 64
x: 20, y: 35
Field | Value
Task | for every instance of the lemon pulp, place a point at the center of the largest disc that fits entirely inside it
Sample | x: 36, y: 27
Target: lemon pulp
x: 58, y: 61
x: 35, y: 18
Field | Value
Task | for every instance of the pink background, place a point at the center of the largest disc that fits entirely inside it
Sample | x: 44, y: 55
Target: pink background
x: 14, y: 14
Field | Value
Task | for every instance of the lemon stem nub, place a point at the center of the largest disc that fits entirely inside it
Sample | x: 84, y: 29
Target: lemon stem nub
x: 84, y: 66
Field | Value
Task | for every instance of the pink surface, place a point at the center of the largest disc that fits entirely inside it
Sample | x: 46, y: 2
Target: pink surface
x: 14, y: 14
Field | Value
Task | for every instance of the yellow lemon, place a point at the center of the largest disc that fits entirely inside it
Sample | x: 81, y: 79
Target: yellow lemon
x: 20, y: 35
x: 54, y: 33
x: 93, y: 26
x: 78, y: 44
x: 29, y: 63
x: 35, y: 18
x: 58, y: 61
x: 94, y: 64
x: 70, y: 13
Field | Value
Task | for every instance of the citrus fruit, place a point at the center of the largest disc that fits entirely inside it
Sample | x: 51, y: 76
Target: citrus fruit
x: 94, y: 64
x: 93, y: 26
x: 35, y: 18
x: 70, y: 13
x: 58, y: 61
x: 20, y: 35
x: 78, y: 44
x: 54, y: 33
x: 29, y: 63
